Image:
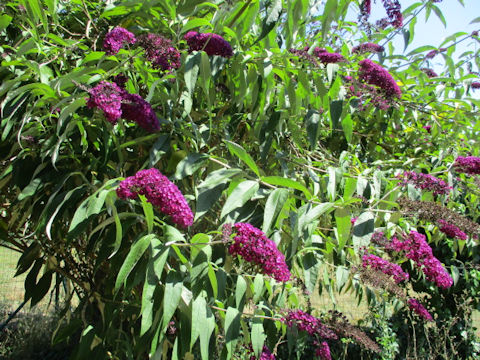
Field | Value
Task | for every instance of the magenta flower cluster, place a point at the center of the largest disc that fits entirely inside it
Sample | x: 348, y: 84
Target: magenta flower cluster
x: 374, y: 74
x: 368, y: 47
x: 212, y: 44
x: 308, y: 323
x: 252, y: 244
x: 160, y: 52
x: 160, y: 192
x: 115, y: 39
x: 451, y: 230
x: 116, y: 102
x: 475, y: 85
x: 425, y: 182
x: 417, y: 249
x: 265, y: 355
x: 327, y: 57
x: 419, y: 309
x: 385, y: 266
x: 322, y: 350
x: 394, y: 12
x: 468, y: 165
x: 108, y: 98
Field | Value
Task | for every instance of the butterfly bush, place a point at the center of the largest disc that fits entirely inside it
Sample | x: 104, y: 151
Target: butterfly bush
x: 116, y: 102
x: 308, y: 323
x: 429, y: 72
x: 475, y: 85
x: 327, y: 57
x: 108, y: 98
x: 425, y: 182
x: 468, y: 165
x: 115, y: 39
x: 160, y: 52
x: 135, y: 108
x: 252, y: 244
x: 385, y: 266
x: 323, y: 350
x: 451, y: 230
x: 419, y: 309
x: 160, y: 192
x: 394, y: 12
x: 417, y: 249
x: 212, y: 44
x: 374, y: 74
x: 368, y: 47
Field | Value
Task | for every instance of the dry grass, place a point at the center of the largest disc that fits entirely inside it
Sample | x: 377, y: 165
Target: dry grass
x: 11, y: 289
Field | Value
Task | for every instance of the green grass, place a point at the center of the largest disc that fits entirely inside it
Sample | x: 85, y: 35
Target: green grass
x: 11, y: 289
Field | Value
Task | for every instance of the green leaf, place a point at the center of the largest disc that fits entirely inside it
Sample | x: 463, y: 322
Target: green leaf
x: 195, y: 23
x: 363, y: 230
x: 283, y: 181
x: 240, y: 152
x: 232, y: 330
x: 343, y: 224
x: 172, y: 295
x: 189, y: 164
x: 257, y: 288
x: 31, y: 189
x: 5, y: 20
x: 192, y: 67
x: 239, y: 196
x: 135, y: 253
x: 312, y: 122
x: 240, y: 290
x: 274, y: 10
x: 258, y: 336
x: 347, y: 125
x: 217, y: 177
x: 332, y: 183
x: 199, y: 318
x: 341, y: 276
x: 273, y: 207
x: 148, y: 211
x: 336, y: 108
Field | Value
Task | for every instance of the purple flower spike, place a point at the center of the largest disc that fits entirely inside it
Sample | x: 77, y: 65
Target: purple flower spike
x: 108, y: 97
x: 135, y: 108
x: 425, y: 182
x: 212, y: 44
x: 308, y: 323
x: 327, y: 57
x: 468, y: 165
x: 419, y: 309
x: 374, y: 74
x: 160, y: 52
x: 323, y: 351
x: 368, y: 48
x: 451, y: 230
x: 115, y: 40
x: 384, y: 266
x: 160, y: 192
x: 252, y: 244
x: 417, y: 249
x: 265, y: 355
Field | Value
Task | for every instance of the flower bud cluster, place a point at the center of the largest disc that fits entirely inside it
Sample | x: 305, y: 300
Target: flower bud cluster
x: 368, y: 47
x: 252, y: 244
x: 322, y: 350
x: 308, y: 323
x: 429, y: 72
x: 394, y: 12
x: 116, y: 102
x: 160, y: 192
x: 115, y: 39
x: 160, y: 52
x: 374, y: 74
x: 385, y: 266
x: 417, y: 249
x: 451, y: 230
x: 212, y: 44
x: 419, y: 309
x: 327, y: 57
x: 425, y: 182
x: 475, y: 85
x: 468, y: 165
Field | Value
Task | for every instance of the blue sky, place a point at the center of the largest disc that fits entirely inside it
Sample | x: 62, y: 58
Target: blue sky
x: 432, y: 32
